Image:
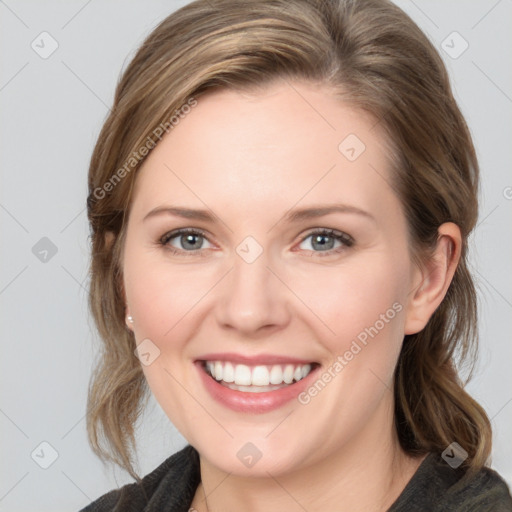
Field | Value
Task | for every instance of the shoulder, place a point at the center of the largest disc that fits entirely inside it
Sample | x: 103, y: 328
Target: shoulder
x: 486, y: 491
x: 436, y: 486
x: 171, y: 486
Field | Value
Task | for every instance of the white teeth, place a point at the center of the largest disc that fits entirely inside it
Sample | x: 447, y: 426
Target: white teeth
x: 252, y: 389
x: 276, y: 375
x: 229, y: 373
x: 260, y: 376
x: 288, y: 374
x: 218, y: 370
x: 242, y: 375
x: 263, y: 376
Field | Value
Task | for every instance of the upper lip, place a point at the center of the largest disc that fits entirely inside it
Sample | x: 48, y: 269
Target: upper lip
x: 260, y: 359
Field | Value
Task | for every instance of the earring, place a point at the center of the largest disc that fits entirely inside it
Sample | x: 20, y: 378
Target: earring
x: 130, y: 318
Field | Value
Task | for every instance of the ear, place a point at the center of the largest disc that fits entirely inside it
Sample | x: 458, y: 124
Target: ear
x: 431, y: 282
x: 109, y: 239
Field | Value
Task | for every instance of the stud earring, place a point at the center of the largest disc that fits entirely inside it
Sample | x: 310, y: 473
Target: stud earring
x: 130, y: 318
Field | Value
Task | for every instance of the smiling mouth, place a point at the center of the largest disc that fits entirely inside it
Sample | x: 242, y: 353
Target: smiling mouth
x: 257, y: 378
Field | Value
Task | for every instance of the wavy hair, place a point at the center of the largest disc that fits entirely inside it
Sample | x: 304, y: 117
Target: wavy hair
x: 371, y: 54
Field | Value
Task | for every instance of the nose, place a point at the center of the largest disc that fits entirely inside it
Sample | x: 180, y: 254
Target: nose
x: 253, y: 301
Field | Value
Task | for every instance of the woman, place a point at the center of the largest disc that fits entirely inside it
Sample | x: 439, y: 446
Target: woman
x: 280, y: 203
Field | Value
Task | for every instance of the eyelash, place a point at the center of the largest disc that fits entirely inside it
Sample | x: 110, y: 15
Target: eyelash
x: 345, y: 239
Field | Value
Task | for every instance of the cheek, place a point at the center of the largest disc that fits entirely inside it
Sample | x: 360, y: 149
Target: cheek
x: 161, y: 299
x: 362, y: 294
x: 347, y: 299
x: 159, y: 295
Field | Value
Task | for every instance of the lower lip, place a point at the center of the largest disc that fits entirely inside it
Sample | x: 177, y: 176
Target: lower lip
x: 257, y: 403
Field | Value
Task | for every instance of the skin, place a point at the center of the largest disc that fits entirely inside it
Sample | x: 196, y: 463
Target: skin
x: 249, y: 159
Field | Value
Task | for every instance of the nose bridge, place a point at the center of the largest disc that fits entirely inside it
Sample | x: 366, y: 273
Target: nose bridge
x: 252, y: 296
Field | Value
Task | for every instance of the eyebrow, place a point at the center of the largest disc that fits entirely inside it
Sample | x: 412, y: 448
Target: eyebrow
x: 296, y: 215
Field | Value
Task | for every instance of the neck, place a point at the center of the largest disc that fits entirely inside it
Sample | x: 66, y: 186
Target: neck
x: 367, y: 474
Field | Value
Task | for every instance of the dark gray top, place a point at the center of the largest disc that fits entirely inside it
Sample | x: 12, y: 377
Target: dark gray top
x: 435, y: 487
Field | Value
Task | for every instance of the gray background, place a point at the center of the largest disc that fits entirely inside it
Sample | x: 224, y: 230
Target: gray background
x: 52, y: 110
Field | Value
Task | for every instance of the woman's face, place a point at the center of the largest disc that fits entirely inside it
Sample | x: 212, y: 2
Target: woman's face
x: 256, y: 292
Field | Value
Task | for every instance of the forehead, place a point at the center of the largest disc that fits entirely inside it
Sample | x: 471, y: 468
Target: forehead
x: 281, y: 145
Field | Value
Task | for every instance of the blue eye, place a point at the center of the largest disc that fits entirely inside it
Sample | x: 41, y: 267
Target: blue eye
x: 325, y: 239
x: 191, y: 241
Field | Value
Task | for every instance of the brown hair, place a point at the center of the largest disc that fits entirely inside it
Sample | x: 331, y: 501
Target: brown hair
x: 378, y: 60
